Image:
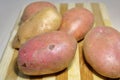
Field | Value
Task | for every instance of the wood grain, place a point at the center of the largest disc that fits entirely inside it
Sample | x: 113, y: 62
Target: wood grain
x: 12, y: 71
x: 86, y: 73
x: 63, y: 8
x: 97, y: 13
x: 79, y: 5
x: 78, y: 70
x: 63, y: 75
x: 74, y: 68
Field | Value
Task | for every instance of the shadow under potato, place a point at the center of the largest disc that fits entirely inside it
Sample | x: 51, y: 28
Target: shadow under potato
x: 93, y: 71
x: 18, y: 73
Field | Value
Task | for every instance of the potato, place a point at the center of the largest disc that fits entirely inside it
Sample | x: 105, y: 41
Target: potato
x: 48, y: 19
x: 77, y: 22
x: 35, y: 7
x: 102, y: 51
x: 46, y: 53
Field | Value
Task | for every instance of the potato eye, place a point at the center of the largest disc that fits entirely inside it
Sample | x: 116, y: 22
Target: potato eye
x: 24, y: 65
x: 51, y: 47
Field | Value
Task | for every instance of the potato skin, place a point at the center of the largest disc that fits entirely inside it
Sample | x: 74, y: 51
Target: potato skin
x: 47, y: 53
x: 33, y: 8
x: 77, y: 22
x: 48, y: 19
x: 102, y: 51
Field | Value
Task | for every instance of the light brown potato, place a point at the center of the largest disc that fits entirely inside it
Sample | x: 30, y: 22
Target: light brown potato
x: 48, y: 19
x: 47, y: 53
x: 77, y: 22
x: 102, y: 51
x: 33, y: 8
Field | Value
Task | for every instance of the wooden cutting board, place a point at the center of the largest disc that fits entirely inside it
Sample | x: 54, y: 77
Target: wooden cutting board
x: 78, y: 70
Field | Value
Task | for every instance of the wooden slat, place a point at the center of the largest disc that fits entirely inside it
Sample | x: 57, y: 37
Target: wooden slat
x: 5, y: 62
x: 63, y: 8
x: 63, y: 75
x: 88, y: 6
x: 97, y: 14
x: 105, y: 15
x: 49, y: 77
x: 79, y: 4
x: 74, y: 69
x: 72, y: 5
x: 12, y: 69
x: 86, y: 73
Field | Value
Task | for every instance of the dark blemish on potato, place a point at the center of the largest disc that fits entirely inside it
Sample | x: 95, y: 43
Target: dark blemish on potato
x: 51, y: 47
x: 24, y: 65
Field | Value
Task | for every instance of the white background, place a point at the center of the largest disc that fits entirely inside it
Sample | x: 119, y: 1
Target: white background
x: 10, y: 9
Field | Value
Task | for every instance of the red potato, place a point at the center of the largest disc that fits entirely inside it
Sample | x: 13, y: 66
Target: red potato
x: 47, y: 53
x: 102, y: 51
x: 77, y: 22
x: 35, y: 7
